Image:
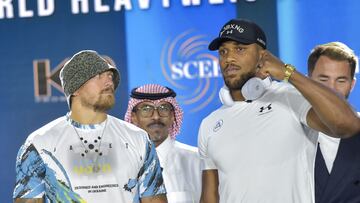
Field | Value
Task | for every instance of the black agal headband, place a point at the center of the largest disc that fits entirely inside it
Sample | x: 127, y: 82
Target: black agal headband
x: 152, y: 96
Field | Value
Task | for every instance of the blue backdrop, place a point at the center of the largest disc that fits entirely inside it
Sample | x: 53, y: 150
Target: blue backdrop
x: 149, y: 43
x: 171, y: 49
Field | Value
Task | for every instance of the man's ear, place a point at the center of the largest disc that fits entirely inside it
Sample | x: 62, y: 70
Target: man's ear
x: 76, y: 93
x: 353, y: 82
x: 260, y: 63
x: 262, y: 53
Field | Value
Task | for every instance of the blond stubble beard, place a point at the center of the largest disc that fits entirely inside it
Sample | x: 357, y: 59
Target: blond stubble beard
x: 102, y: 104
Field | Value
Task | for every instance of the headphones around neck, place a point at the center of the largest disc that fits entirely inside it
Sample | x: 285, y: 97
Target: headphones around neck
x: 253, y: 89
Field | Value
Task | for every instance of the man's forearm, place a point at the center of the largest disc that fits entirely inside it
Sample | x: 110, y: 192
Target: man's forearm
x: 331, y: 109
x: 29, y: 200
x: 210, y: 184
x: 154, y: 199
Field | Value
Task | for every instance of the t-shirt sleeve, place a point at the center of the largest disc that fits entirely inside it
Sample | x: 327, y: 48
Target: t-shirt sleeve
x: 298, y: 104
x: 151, y: 182
x: 206, y: 162
x: 30, y: 173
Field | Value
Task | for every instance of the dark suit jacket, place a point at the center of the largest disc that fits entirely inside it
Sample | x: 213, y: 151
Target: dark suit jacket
x: 343, y: 183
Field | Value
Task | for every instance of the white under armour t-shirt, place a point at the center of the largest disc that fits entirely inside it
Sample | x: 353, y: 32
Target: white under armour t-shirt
x: 66, y: 161
x: 261, y: 149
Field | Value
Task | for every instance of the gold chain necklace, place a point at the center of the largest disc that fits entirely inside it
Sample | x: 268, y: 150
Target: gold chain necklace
x: 90, y: 146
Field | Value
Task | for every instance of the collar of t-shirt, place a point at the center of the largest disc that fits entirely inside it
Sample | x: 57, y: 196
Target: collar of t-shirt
x: 84, y: 126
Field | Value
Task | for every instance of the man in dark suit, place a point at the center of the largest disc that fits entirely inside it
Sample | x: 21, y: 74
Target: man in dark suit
x: 337, y: 164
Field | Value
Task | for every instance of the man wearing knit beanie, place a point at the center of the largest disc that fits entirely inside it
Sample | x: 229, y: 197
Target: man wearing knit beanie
x: 82, y: 67
x: 154, y: 108
x: 88, y: 155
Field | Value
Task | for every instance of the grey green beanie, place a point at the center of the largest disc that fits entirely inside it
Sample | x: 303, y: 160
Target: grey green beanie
x: 82, y: 67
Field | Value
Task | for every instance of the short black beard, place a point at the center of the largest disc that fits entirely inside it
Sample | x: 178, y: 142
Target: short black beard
x: 238, y: 84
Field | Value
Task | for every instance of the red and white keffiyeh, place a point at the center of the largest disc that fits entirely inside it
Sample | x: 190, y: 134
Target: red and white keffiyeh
x: 148, y: 93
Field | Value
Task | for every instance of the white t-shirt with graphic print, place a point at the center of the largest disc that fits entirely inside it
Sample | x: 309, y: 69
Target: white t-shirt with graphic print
x: 109, y: 162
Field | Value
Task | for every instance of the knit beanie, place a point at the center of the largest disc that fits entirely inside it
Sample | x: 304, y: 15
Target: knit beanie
x: 82, y: 67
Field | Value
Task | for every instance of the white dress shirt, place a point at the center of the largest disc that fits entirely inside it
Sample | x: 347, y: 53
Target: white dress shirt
x: 329, y: 147
x: 181, y: 171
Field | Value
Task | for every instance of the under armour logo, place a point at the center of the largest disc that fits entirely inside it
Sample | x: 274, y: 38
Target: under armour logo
x: 265, y: 109
x: 229, y: 32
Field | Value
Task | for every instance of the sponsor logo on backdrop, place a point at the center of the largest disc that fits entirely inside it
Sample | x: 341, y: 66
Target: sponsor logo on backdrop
x: 191, y: 69
x: 45, y: 80
x: 47, y: 84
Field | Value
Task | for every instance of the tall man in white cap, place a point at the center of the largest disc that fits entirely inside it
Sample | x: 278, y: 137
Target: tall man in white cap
x: 154, y: 108
x: 337, y: 163
x: 255, y: 147
x: 88, y: 155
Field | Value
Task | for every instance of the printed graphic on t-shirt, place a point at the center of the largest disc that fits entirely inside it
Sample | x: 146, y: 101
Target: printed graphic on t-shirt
x: 34, y: 177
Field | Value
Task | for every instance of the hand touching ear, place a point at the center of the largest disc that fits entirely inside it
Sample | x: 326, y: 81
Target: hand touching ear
x: 272, y: 66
